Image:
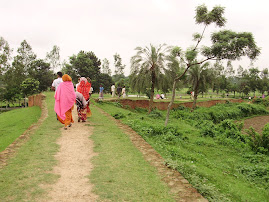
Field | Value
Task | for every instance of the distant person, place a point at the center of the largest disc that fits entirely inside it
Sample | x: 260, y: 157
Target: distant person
x: 84, y: 88
x: 119, y: 89
x: 81, y: 107
x: 77, y: 83
x: 162, y: 96
x: 123, y: 92
x: 91, y: 91
x: 158, y: 96
x: 57, y: 81
x: 113, y: 90
x: 101, y: 92
x: 65, y: 98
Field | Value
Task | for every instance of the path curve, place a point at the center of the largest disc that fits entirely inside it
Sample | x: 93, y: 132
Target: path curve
x: 74, y: 164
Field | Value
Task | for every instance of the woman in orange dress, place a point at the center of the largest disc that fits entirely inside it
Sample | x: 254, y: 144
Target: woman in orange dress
x: 84, y: 88
x: 65, y: 98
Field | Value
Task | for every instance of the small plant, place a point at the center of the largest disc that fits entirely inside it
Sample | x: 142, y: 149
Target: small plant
x: 119, y: 115
x: 155, y: 114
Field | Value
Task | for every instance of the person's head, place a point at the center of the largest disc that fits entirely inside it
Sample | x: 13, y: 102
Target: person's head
x: 59, y: 74
x: 66, y: 77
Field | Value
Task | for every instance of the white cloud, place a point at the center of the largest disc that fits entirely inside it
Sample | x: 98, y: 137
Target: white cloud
x: 106, y: 27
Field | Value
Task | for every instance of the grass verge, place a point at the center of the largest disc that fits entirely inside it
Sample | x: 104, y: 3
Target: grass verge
x: 15, y: 122
x: 120, y: 172
x: 20, y: 180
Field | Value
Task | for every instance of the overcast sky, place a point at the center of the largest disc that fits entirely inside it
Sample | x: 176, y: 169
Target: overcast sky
x: 107, y: 27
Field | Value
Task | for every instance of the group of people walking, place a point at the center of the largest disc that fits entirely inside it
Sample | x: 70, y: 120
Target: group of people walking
x: 120, y: 91
x: 65, y: 97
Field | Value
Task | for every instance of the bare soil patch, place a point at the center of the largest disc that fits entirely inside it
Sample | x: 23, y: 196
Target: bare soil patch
x: 179, y: 186
x: 257, y: 123
x: 74, y: 165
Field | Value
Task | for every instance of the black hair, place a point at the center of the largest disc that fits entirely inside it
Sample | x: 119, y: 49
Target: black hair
x: 60, y: 74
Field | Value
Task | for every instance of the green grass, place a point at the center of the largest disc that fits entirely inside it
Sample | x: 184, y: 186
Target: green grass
x: 120, y: 171
x: 15, y: 122
x: 20, y: 180
x: 222, y: 169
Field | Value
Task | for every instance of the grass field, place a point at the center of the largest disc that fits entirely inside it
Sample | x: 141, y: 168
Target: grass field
x: 15, y: 122
x: 221, y: 169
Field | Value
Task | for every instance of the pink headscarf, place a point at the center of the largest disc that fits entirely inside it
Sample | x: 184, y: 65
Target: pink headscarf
x: 65, y: 98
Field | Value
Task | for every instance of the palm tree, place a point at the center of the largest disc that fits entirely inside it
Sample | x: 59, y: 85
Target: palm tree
x: 147, y: 68
x: 199, y: 76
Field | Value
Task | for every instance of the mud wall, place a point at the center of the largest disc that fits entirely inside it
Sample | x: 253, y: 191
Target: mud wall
x: 163, y: 105
x: 36, y: 100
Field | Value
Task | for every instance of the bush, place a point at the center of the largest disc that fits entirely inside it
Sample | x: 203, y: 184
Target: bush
x: 259, y: 142
x: 155, y: 114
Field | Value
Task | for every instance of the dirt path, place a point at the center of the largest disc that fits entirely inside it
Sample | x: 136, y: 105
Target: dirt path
x: 74, y: 165
x: 257, y: 123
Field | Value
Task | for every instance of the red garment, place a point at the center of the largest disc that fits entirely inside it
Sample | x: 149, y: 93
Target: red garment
x: 84, y: 88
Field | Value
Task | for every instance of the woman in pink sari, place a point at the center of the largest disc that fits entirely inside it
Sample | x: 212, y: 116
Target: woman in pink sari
x: 84, y: 88
x: 65, y: 98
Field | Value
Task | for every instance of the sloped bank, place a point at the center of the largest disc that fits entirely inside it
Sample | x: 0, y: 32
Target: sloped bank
x: 163, y: 105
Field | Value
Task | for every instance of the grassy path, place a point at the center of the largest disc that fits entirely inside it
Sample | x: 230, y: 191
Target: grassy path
x: 120, y: 172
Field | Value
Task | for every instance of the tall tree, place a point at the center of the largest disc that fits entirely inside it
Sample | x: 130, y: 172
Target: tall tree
x: 5, y: 55
x: 119, y: 67
x: 226, y: 44
x: 83, y: 64
x: 25, y: 57
x: 105, y: 67
x: 41, y: 72
x: 53, y: 58
x: 149, y: 64
x: 253, y: 79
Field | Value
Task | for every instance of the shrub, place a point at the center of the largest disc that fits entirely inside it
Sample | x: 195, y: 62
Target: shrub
x: 155, y: 114
x: 259, y: 142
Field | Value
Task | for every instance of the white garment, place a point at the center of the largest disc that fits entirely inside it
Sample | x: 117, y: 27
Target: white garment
x: 113, y: 90
x: 56, y: 83
x: 91, y: 89
x: 123, y: 92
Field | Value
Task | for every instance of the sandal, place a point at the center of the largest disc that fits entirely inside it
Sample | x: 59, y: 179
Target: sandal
x: 65, y: 128
x: 70, y: 125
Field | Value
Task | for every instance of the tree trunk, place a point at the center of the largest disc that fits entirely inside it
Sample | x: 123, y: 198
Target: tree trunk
x: 171, y: 103
x: 195, y: 96
x: 151, y: 92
